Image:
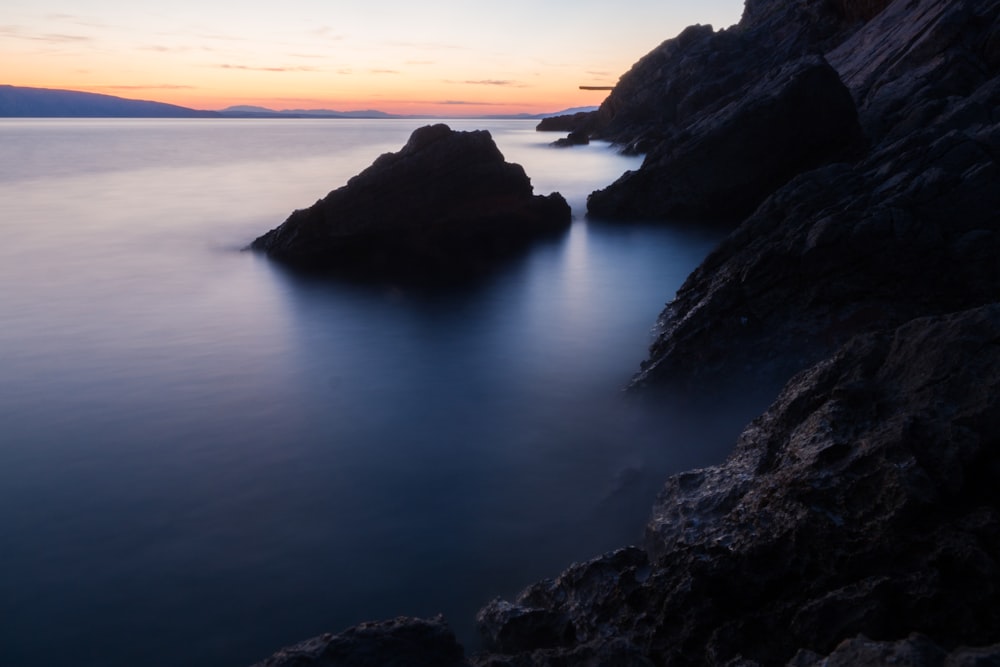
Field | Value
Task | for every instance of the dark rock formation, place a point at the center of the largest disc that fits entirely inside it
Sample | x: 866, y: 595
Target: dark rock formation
x: 701, y: 70
x: 726, y: 163
x: 914, y: 651
x: 401, y: 642
x: 862, y: 502
x: 574, y: 138
x: 910, y: 229
x: 444, y: 203
x: 580, y: 120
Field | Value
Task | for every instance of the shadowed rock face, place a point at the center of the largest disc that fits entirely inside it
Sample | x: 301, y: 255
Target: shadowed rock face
x: 909, y: 229
x: 860, y: 10
x: 700, y: 71
x: 916, y: 651
x: 443, y: 203
x: 723, y: 165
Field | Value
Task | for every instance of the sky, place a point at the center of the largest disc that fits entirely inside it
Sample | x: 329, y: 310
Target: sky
x: 435, y: 57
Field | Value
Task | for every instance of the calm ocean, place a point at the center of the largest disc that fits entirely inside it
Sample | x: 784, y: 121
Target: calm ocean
x: 204, y: 457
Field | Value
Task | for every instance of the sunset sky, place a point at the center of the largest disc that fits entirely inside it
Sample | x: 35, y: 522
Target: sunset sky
x: 446, y: 57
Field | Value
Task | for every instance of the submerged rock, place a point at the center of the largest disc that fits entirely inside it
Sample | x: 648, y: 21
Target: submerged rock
x: 446, y: 202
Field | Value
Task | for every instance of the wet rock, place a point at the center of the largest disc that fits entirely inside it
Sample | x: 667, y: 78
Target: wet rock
x: 725, y: 164
x: 862, y: 502
x: 575, y: 608
x: 400, y: 642
x: 447, y: 202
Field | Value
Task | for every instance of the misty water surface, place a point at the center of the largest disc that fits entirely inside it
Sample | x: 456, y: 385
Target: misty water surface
x: 204, y: 457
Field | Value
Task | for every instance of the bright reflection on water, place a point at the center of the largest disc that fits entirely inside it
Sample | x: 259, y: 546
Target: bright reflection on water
x: 205, y: 457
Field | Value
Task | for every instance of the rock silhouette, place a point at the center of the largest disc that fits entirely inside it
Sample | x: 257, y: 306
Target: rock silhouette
x: 447, y: 202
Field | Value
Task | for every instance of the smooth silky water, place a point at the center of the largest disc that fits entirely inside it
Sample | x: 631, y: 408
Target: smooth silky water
x: 204, y: 456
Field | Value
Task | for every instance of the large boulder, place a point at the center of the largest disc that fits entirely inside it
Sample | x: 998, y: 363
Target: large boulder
x: 446, y: 202
x: 723, y: 165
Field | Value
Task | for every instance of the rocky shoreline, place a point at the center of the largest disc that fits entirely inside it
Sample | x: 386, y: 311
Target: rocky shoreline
x: 854, y: 145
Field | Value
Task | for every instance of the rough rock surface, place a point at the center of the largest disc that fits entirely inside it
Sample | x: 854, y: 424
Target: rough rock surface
x: 701, y: 70
x: 445, y: 202
x: 863, y: 501
x: 723, y: 165
x: 914, y: 651
x: 400, y: 642
x: 909, y: 228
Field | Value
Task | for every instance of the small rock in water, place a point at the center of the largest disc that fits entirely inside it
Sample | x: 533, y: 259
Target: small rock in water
x: 446, y: 202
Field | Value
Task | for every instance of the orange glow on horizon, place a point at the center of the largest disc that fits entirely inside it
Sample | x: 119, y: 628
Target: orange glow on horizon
x: 436, y: 58
x: 389, y: 101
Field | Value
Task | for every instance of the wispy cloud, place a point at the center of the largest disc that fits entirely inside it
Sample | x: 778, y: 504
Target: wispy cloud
x: 17, y: 32
x: 161, y: 86
x: 61, y: 39
x: 488, y: 82
x: 468, y: 103
x: 491, y: 82
x: 77, y: 20
x: 250, y: 68
x: 159, y: 48
x: 326, y: 32
x: 384, y: 71
x: 428, y: 46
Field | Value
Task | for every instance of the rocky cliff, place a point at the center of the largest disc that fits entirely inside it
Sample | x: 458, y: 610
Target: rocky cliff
x: 857, y: 521
x: 908, y: 227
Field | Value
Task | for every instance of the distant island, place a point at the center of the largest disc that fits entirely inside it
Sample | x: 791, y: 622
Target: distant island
x: 24, y: 102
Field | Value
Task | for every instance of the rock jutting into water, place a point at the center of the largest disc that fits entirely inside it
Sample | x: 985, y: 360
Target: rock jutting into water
x: 723, y: 165
x: 446, y: 202
x: 863, y: 502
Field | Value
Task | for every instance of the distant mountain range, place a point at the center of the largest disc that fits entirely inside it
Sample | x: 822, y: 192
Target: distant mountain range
x: 22, y: 102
